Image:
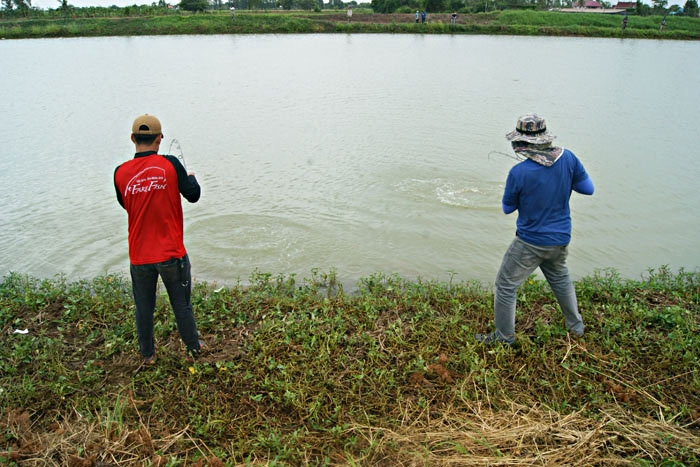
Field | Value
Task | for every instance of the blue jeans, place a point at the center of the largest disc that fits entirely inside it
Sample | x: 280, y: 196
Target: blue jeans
x: 176, y: 276
x: 519, y: 262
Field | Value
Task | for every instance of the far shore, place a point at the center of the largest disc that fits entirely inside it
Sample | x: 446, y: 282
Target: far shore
x: 507, y: 22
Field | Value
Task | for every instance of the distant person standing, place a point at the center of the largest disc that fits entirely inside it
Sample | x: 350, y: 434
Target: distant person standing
x: 663, y: 25
x: 149, y: 187
x: 233, y: 11
x: 624, y: 23
x: 422, y: 17
x: 417, y: 16
x: 538, y: 188
x: 454, y: 17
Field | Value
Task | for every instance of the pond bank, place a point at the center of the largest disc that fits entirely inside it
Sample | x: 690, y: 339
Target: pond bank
x: 508, y: 22
x: 296, y: 374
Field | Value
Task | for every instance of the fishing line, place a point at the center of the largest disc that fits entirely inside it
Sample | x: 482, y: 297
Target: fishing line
x: 509, y: 156
x: 178, y: 148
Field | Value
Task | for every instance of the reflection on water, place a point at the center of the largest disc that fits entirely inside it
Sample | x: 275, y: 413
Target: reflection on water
x: 360, y: 153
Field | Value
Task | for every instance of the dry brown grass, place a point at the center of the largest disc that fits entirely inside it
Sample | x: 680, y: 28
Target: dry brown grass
x: 471, y: 434
x: 522, y: 435
x: 79, y: 443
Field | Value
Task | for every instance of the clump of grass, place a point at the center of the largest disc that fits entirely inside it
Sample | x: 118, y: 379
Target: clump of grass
x: 299, y: 371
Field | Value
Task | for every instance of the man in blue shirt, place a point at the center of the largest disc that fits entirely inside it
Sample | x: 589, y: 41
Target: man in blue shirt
x: 539, y: 188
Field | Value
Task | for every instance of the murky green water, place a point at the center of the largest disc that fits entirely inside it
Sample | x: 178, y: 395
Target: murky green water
x: 362, y: 153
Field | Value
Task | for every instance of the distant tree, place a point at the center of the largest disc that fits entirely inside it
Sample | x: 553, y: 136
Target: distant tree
x: 659, y: 6
x: 23, y: 5
x: 385, y: 6
x: 434, y: 6
x: 194, y: 5
x: 474, y: 5
x: 691, y: 8
x: 6, y: 4
x: 307, y: 4
x: 642, y: 9
x: 285, y: 4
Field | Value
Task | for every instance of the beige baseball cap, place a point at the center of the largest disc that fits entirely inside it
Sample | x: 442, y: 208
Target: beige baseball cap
x: 146, y: 125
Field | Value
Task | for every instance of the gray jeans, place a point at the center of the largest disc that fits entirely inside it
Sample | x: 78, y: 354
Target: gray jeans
x: 519, y: 262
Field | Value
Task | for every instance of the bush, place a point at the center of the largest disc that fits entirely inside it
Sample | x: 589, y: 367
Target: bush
x: 194, y: 5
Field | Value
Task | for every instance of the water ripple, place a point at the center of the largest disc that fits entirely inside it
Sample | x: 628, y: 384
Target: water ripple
x: 467, y: 194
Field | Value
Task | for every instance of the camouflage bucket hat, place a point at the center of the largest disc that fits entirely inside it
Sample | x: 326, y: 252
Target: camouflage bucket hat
x: 531, y: 129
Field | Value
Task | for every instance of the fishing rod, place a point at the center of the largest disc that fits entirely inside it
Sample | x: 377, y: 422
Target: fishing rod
x: 180, y: 155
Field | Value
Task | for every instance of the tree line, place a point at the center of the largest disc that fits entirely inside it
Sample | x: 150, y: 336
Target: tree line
x: 658, y: 7
x: 317, y: 5
x: 20, y: 8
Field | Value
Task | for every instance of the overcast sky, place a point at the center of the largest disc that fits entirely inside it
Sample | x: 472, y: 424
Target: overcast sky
x: 81, y: 3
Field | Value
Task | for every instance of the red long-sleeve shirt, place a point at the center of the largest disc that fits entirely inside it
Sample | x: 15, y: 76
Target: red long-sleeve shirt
x: 149, y: 187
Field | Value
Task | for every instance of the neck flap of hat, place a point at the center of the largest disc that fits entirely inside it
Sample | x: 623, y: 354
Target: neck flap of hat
x: 545, y: 156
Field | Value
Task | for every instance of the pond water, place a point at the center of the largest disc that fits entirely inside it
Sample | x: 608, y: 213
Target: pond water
x: 362, y: 153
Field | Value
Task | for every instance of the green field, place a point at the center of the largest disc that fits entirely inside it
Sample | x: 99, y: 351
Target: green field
x: 300, y: 372
x: 512, y: 22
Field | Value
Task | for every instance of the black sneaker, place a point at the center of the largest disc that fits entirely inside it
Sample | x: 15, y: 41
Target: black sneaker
x: 148, y: 361
x: 488, y: 339
x: 193, y: 354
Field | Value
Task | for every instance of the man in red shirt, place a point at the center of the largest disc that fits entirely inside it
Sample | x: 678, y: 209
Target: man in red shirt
x: 149, y: 188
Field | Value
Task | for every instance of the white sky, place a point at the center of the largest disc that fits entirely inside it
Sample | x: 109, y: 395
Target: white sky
x: 122, y: 3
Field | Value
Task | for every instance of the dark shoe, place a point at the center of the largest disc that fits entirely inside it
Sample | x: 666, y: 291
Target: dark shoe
x: 488, y: 339
x: 193, y: 354
x: 150, y: 360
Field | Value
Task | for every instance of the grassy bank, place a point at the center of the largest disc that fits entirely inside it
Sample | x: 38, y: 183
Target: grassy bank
x: 500, y: 22
x: 299, y: 372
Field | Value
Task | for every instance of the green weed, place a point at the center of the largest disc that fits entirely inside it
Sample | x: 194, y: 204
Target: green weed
x: 299, y: 371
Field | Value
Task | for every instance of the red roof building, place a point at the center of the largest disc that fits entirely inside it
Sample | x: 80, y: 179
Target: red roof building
x: 592, y: 4
x: 626, y: 5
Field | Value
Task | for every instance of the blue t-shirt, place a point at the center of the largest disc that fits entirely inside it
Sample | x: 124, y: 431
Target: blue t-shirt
x: 541, y: 196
